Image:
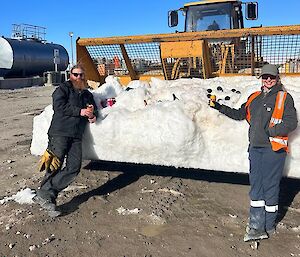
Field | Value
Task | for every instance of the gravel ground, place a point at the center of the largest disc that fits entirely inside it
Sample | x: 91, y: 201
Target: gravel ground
x: 117, y: 209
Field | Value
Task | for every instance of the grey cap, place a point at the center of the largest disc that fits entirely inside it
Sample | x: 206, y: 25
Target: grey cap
x: 269, y: 69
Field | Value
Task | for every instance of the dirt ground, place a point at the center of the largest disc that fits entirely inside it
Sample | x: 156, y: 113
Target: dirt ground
x: 117, y: 209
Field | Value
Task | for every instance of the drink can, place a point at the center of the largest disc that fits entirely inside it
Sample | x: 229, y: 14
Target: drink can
x: 213, y: 98
x: 110, y: 101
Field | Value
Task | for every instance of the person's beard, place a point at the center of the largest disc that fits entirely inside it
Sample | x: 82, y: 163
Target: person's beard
x: 79, y: 84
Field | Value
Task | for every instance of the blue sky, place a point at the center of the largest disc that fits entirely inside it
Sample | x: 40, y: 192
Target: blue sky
x: 118, y: 17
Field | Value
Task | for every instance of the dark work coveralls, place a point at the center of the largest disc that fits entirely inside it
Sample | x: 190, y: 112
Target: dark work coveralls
x: 65, y: 137
x: 266, y: 165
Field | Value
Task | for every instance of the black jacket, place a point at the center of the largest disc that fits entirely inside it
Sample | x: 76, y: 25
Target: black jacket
x: 261, y: 109
x: 67, y: 103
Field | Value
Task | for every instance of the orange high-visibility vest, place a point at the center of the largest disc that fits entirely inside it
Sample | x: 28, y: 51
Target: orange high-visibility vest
x: 277, y: 142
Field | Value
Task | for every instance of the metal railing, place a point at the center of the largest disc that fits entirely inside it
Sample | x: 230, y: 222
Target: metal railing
x: 27, y: 31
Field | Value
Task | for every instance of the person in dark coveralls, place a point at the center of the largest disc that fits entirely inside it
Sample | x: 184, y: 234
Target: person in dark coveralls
x: 272, y: 116
x: 74, y: 107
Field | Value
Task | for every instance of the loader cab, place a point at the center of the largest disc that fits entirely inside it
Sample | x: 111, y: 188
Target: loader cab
x: 213, y: 15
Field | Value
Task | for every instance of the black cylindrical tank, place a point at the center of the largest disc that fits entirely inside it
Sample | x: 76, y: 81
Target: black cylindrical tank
x: 24, y: 58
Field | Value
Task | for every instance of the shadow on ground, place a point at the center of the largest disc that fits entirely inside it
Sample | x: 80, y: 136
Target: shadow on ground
x: 132, y: 172
x: 289, y: 188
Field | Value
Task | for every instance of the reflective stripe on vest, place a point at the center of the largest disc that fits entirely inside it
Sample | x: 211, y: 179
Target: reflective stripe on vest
x: 273, y: 208
x: 277, y: 142
x: 275, y: 121
x: 260, y: 203
x: 278, y: 109
x: 281, y: 141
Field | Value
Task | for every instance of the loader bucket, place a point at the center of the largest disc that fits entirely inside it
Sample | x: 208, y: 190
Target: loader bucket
x: 191, y: 54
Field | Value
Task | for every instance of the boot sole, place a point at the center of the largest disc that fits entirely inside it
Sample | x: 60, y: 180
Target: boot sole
x: 255, y: 238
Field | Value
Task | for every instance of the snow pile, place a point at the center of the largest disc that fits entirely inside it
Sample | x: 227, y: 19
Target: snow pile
x: 170, y: 123
x: 22, y: 197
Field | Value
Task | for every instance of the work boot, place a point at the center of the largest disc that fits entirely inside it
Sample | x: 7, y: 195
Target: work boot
x: 254, y: 234
x: 47, y: 205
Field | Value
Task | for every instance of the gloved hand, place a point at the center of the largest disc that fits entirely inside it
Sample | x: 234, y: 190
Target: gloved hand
x: 55, y: 164
x: 214, y: 104
x: 49, y: 162
x: 45, y: 161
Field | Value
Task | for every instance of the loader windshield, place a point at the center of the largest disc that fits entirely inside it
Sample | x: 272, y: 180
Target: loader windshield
x: 208, y: 17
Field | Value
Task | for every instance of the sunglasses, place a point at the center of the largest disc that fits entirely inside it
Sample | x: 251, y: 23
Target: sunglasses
x: 78, y: 74
x: 266, y: 76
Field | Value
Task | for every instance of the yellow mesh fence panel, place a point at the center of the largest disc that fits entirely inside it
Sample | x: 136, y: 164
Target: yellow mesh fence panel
x: 242, y: 52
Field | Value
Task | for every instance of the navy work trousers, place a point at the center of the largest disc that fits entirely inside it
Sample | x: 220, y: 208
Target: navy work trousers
x: 266, y: 169
x: 62, y: 147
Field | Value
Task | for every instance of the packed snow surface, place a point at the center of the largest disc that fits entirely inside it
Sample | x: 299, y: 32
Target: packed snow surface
x: 170, y: 123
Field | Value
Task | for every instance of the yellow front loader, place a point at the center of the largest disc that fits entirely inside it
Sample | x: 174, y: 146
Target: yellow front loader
x: 214, y: 43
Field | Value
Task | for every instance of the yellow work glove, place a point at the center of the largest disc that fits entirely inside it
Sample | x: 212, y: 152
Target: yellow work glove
x: 55, y: 164
x: 49, y: 161
x: 45, y: 161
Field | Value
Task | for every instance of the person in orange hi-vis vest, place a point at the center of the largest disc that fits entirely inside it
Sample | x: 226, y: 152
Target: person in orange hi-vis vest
x: 271, y: 115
